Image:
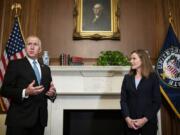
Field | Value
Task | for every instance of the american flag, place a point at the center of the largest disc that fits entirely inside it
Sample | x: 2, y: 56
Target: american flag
x: 14, y: 50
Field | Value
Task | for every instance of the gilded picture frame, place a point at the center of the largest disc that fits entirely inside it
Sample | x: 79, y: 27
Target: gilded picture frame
x: 89, y: 25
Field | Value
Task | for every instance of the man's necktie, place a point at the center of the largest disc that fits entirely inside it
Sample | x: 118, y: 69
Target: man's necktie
x: 36, y: 71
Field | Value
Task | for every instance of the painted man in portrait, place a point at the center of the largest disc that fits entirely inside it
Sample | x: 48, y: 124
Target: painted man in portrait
x: 97, y: 16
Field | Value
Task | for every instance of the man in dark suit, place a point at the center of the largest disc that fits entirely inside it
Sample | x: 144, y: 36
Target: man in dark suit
x: 28, y: 85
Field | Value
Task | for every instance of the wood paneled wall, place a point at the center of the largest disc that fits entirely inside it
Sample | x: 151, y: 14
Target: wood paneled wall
x: 52, y: 21
x: 143, y: 24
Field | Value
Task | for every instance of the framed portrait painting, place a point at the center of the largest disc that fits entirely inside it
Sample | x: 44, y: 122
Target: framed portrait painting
x: 96, y: 19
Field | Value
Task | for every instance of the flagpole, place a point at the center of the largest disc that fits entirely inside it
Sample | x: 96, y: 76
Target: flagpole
x: 171, y: 21
x: 16, y: 7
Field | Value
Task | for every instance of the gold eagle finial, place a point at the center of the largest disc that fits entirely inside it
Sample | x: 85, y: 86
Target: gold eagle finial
x: 16, y: 7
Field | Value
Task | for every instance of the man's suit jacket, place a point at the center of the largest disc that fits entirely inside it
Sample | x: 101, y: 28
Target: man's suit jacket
x: 25, y: 112
x: 141, y: 102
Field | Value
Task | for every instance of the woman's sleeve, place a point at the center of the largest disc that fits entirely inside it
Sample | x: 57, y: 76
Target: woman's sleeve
x: 123, y: 99
x: 156, y: 98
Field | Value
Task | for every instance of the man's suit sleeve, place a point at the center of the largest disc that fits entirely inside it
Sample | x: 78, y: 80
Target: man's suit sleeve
x: 123, y: 98
x: 53, y: 97
x: 9, y: 89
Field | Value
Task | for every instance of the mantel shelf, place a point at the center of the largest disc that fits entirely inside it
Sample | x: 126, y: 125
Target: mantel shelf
x: 90, y: 71
x: 90, y: 68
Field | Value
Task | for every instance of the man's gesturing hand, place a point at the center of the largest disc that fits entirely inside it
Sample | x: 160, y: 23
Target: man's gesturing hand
x: 31, y: 90
x: 52, y: 90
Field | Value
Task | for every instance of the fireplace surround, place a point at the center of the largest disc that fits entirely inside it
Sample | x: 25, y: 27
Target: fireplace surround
x: 84, y: 88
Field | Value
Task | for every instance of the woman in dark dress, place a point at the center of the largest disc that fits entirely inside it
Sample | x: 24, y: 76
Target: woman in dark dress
x: 140, y: 96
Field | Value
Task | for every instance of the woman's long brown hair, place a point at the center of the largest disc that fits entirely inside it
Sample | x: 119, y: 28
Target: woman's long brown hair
x: 146, y: 66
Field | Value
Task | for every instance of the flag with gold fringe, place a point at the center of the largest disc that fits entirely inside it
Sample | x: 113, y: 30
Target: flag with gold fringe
x: 168, y: 70
x: 14, y: 50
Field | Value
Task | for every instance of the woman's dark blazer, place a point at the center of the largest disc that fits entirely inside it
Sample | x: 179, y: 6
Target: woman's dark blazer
x: 25, y: 112
x: 144, y: 101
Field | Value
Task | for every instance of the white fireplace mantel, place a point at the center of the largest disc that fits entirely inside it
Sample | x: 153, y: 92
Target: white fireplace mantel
x: 83, y: 87
x: 88, y: 79
x: 89, y: 68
